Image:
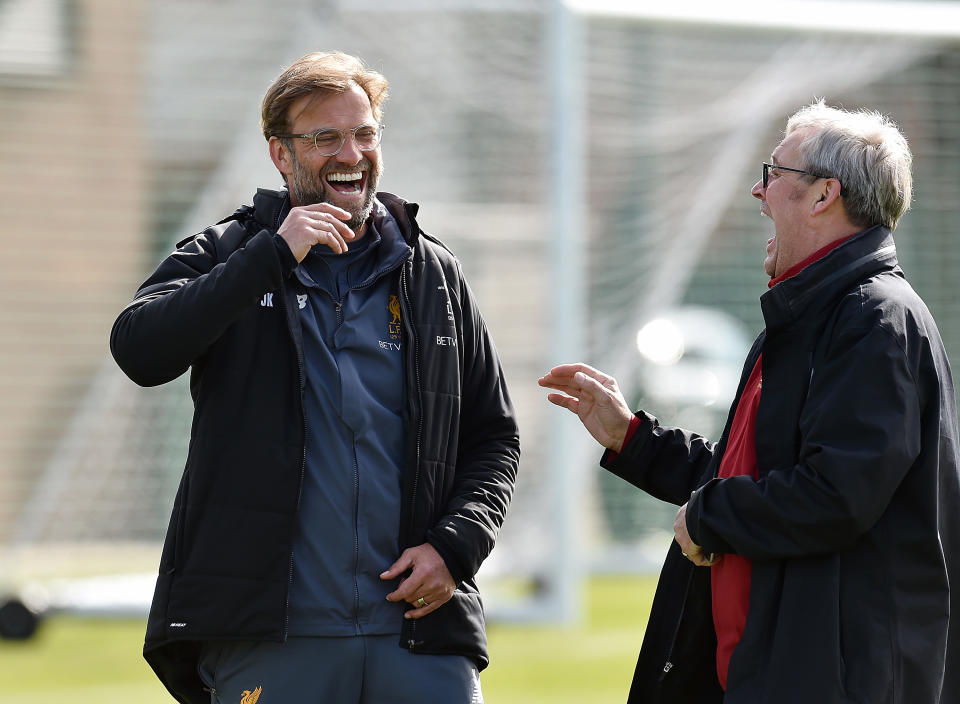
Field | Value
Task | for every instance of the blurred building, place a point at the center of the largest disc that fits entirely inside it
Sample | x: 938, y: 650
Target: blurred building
x: 73, y: 231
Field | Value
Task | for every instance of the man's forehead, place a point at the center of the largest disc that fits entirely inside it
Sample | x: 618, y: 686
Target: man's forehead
x: 350, y: 102
x: 787, y: 145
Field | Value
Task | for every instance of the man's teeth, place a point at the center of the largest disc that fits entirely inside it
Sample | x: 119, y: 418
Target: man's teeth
x: 345, y: 177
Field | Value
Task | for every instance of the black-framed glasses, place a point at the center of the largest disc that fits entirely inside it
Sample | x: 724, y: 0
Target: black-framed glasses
x: 329, y: 141
x: 767, y: 167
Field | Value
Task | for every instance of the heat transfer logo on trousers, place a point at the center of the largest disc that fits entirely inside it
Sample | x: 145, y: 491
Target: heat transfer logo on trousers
x: 249, y: 697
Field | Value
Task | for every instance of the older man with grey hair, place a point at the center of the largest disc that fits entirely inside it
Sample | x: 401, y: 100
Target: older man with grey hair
x: 816, y: 540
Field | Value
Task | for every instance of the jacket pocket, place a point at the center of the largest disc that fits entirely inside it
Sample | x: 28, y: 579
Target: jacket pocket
x: 866, y: 642
x: 456, y: 628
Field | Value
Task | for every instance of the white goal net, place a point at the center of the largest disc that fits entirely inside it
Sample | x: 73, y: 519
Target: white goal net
x: 591, y: 168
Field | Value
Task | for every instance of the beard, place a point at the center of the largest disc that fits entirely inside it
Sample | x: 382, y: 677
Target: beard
x: 308, y: 188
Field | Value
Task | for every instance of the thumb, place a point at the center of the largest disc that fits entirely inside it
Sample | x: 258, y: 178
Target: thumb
x: 588, y: 384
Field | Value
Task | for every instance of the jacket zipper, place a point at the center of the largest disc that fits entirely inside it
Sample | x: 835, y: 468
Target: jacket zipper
x: 303, y: 459
x: 338, y: 308
x: 298, y: 351
x: 404, y: 289
x: 303, y: 456
x: 669, y: 664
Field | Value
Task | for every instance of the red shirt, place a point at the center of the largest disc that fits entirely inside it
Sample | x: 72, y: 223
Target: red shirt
x: 730, y: 577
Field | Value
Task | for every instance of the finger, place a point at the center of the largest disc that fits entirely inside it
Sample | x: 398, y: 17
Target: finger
x: 565, y: 372
x: 421, y: 611
x: 585, y: 369
x: 329, y: 235
x: 571, y: 404
x: 327, y: 208
x: 402, y: 564
x: 588, y: 387
x: 560, y: 383
x: 703, y: 560
x: 588, y: 381
x: 409, y: 590
x: 334, y: 224
x: 554, y: 378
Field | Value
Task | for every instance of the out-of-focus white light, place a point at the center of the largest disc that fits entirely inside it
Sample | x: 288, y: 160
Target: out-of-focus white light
x: 660, y: 341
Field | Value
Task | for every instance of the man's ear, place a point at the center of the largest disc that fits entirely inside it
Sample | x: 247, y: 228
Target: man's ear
x: 829, y: 193
x: 281, y: 157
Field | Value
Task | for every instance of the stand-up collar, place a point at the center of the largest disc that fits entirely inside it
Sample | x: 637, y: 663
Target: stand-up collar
x: 816, y: 286
x: 403, y: 212
x: 270, y: 207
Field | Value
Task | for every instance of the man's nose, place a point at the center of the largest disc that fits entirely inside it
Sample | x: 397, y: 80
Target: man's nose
x: 349, y: 153
x: 758, y: 190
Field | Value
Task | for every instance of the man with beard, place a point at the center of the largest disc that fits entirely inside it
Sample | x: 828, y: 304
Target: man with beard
x: 815, y: 557
x: 354, y: 448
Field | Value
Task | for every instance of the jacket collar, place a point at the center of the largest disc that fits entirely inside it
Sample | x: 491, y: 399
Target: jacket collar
x: 403, y: 212
x: 270, y: 207
x: 819, y: 284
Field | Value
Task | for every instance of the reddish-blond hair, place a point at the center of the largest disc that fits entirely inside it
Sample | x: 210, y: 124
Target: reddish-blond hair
x: 319, y: 72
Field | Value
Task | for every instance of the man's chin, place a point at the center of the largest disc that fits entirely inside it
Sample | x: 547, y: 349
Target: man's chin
x: 359, y: 211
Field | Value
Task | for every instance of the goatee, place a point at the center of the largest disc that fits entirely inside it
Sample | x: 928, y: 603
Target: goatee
x: 309, y: 188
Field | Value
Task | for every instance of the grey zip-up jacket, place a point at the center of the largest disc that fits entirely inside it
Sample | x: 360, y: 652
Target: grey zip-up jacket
x: 226, y: 565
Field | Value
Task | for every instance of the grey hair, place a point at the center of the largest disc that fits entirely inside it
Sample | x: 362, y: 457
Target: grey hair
x: 866, y: 152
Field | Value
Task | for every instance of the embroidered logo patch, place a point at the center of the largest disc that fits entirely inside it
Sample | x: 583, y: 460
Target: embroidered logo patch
x: 393, y: 327
x: 249, y: 697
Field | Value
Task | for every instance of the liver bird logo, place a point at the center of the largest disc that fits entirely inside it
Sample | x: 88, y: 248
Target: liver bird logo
x: 393, y: 305
x: 249, y: 697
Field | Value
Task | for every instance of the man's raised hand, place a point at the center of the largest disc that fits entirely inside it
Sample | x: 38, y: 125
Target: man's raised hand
x: 594, y: 397
x: 320, y: 223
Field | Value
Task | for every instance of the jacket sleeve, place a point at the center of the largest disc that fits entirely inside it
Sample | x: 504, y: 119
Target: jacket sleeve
x: 192, y: 297
x: 488, y: 453
x: 667, y: 463
x: 859, y: 435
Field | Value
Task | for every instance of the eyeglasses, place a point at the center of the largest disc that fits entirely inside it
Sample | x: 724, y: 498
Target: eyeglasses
x: 329, y: 141
x: 767, y: 167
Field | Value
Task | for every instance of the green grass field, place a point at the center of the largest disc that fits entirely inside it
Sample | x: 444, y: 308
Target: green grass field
x: 89, y: 661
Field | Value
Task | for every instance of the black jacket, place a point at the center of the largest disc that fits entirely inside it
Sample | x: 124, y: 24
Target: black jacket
x: 226, y: 565
x: 852, y: 527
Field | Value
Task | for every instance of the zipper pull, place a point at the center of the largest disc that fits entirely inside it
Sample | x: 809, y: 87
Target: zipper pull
x: 667, y: 667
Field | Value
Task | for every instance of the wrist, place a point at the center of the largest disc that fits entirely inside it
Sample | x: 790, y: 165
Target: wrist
x: 628, y: 431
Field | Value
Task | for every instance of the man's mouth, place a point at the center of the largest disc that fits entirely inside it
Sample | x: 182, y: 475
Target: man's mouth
x: 347, y: 183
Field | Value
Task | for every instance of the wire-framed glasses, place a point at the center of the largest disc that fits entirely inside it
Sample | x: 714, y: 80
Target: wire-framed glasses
x: 329, y: 141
